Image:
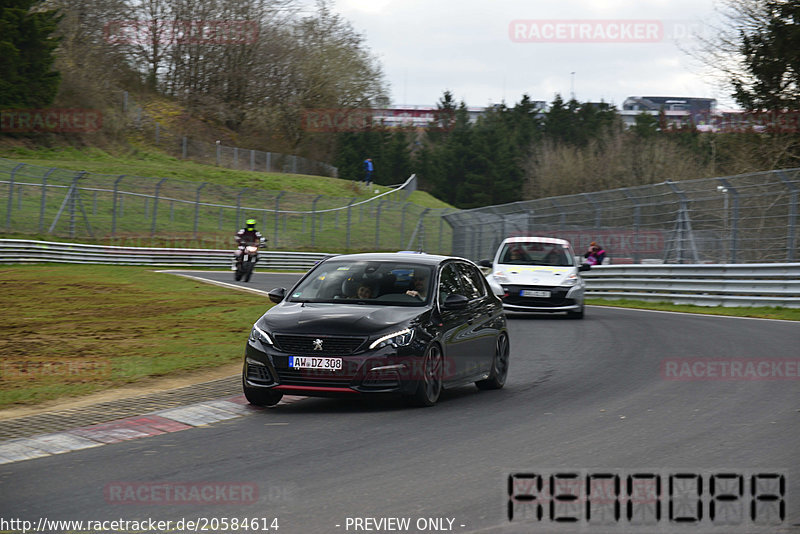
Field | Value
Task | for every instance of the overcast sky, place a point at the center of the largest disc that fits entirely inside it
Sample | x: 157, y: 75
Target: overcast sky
x: 468, y: 47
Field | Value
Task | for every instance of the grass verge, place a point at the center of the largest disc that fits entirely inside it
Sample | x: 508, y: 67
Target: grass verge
x: 75, y: 329
x: 787, y: 314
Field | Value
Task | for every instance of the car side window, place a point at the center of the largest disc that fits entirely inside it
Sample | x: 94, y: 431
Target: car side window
x: 472, y: 281
x: 449, y: 283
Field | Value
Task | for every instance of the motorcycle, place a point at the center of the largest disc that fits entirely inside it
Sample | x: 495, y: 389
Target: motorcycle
x: 245, y: 261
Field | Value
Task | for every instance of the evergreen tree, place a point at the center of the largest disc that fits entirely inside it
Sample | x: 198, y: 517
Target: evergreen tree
x: 26, y: 55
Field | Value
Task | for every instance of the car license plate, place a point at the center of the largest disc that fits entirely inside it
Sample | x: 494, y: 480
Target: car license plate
x: 534, y: 293
x: 311, y: 362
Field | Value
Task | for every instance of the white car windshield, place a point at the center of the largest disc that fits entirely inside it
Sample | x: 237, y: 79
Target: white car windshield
x: 536, y: 253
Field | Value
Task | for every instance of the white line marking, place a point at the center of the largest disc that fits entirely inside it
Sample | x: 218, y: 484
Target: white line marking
x: 692, y: 314
x: 221, y: 284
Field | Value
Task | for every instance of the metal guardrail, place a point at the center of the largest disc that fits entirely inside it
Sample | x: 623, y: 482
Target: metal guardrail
x: 767, y: 284
x: 18, y: 251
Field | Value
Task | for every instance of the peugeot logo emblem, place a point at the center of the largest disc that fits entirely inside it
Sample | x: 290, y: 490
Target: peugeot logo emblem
x: 317, y: 344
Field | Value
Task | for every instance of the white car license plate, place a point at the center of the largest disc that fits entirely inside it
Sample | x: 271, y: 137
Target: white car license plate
x: 311, y: 362
x: 534, y: 293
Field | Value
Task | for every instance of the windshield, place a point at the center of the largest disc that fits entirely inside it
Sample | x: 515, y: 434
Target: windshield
x: 536, y: 253
x: 381, y: 283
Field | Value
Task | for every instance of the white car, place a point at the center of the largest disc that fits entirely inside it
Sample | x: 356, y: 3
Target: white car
x: 537, y: 274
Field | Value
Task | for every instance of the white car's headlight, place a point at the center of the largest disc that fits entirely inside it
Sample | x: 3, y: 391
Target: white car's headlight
x: 256, y: 334
x: 400, y: 339
x: 571, y: 280
x: 500, y: 278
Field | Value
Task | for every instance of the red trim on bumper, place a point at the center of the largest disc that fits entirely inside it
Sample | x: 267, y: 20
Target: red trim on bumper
x: 315, y: 388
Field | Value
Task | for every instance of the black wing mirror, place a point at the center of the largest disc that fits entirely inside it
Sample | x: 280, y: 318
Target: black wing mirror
x: 455, y: 302
x: 584, y: 267
x: 485, y: 263
x: 277, y: 295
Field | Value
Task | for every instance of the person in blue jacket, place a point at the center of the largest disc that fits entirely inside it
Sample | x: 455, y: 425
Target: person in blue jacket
x: 368, y: 169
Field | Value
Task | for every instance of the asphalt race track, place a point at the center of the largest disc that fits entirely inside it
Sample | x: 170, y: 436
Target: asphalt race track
x: 590, y: 397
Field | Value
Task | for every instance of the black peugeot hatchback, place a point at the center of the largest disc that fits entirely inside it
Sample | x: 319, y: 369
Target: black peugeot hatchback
x: 408, y: 324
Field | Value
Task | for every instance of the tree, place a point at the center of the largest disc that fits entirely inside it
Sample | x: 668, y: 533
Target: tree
x: 27, y: 46
x: 771, y: 55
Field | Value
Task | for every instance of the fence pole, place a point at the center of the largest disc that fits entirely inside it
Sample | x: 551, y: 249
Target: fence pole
x: 277, y: 215
x: 114, y: 204
x: 252, y: 160
x: 11, y: 195
x: 403, y: 222
x: 155, y: 205
x: 239, y: 206
x: 219, y: 148
x: 792, y: 221
x: 734, y: 235
x: 269, y: 161
x: 378, y: 224
x: 637, y: 220
x: 185, y: 147
x: 313, y: 218
x: 197, y: 207
x: 158, y: 133
x: 235, y: 157
x: 349, y: 219
x: 42, y: 204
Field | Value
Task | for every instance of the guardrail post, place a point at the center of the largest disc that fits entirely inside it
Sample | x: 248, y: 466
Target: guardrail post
x: 792, y: 220
x: 313, y: 218
x: 277, y: 216
x: 114, y: 204
x: 155, y: 206
x: 347, y: 237
x: 197, y: 207
x: 42, y: 204
x: 734, y: 226
x: 11, y: 195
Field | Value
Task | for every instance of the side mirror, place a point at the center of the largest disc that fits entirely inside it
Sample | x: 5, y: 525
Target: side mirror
x: 277, y: 295
x: 485, y: 263
x: 455, y: 302
x: 584, y: 267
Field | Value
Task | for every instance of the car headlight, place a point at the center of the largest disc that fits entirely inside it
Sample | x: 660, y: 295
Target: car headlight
x: 256, y: 334
x: 398, y: 339
x: 571, y: 280
x: 501, y: 279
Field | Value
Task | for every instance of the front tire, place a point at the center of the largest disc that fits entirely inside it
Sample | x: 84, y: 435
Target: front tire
x: 261, y: 396
x: 248, y: 271
x: 497, y: 377
x: 429, y: 387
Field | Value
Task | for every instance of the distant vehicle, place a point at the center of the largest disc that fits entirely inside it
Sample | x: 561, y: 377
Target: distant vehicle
x: 407, y: 324
x: 537, y: 274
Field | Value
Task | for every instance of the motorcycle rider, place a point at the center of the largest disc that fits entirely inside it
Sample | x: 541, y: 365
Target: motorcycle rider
x: 245, y: 236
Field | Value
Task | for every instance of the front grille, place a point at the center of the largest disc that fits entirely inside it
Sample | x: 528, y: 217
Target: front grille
x: 331, y: 345
x: 557, y: 297
x: 314, y: 377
